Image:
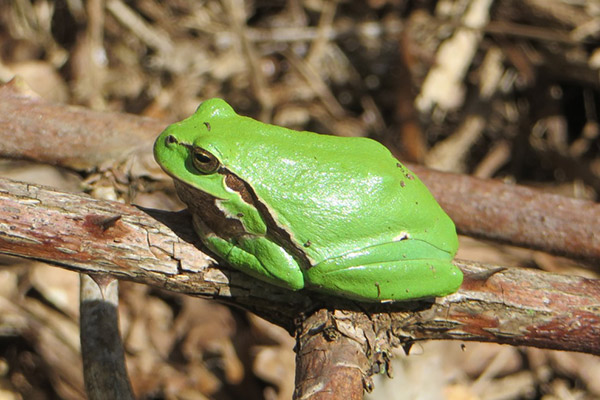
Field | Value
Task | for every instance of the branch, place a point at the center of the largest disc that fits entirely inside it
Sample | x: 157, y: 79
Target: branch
x: 517, y: 215
x: 101, y: 345
x: 482, y: 208
x: 504, y: 305
x: 69, y: 136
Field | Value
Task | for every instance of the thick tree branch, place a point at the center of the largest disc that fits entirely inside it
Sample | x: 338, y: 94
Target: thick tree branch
x: 517, y: 215
x: 504, y: 305
x: 78, y: 138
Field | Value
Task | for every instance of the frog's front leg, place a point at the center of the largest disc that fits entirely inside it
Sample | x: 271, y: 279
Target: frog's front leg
x: 383, y: 272
x: 255, y: 255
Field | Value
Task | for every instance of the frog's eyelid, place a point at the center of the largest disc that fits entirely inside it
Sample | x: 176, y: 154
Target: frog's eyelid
x: 192, y: 147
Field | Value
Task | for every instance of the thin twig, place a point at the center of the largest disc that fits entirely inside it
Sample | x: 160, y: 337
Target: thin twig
x: 101, y: 345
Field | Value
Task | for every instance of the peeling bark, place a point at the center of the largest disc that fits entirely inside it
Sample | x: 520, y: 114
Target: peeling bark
x: 504, y: 305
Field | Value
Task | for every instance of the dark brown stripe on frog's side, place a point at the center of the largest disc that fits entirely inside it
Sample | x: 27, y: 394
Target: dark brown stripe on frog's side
x: 204, y: 205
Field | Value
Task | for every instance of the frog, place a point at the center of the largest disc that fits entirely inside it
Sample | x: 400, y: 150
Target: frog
x: 307, y: 211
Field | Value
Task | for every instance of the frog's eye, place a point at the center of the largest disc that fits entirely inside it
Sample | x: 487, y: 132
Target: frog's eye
x: 204, y: 161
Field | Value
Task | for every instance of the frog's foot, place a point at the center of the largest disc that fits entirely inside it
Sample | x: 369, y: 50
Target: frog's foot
x: 404, y: 270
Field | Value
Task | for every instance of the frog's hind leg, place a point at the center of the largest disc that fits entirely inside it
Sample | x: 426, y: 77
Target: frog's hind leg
x: 384, y: 272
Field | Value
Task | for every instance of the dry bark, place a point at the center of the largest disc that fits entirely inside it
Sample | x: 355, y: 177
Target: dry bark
x: 69, y: 136
x: 504, y: 305
x: 518, y: 215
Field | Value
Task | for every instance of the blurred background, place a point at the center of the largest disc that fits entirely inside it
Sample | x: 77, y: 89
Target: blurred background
x: 499, y: 89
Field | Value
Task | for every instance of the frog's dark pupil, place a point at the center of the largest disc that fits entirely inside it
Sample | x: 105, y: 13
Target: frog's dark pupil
x: 201, y: 158
x: 204, y: 161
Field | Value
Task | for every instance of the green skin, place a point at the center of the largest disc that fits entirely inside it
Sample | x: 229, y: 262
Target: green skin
x: 302, y: 210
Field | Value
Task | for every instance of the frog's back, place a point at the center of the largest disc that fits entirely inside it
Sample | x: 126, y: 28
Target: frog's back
x: 330, y: 191
x: 331, y: 194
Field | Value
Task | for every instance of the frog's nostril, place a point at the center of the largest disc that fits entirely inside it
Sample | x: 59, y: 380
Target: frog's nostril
x: 170, y: 139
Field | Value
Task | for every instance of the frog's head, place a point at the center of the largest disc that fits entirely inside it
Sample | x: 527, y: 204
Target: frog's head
x: 189, y: 150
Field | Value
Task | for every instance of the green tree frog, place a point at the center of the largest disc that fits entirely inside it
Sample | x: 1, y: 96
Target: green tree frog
x: 300, y: 210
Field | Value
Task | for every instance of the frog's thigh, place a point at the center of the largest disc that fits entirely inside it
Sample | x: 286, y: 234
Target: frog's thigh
x: 261, y: 258
x: 399, y: 280
x: 401, y: 270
